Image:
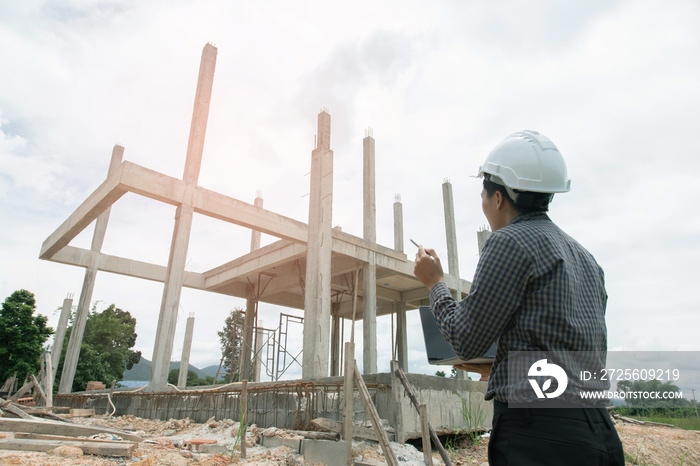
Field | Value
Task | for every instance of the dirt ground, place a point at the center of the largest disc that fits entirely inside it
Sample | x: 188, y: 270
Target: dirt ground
x: 165, y: 443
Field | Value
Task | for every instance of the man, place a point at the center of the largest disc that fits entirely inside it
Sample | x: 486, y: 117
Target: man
x: 535, y: 289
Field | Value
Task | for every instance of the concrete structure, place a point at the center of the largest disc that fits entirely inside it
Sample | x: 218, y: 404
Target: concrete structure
x: 450, y: 233
x: 328, y: 452
x: 452, y: 253
x: 310, y: 267
x: 167, y: 319
x: 481, y: 237
x: 259, y: 346
x: 317, y: 297
x: 369, y: 271
x: 60, y: 335
x: 251, y: 312
x: 70, y: 363
x: 401, y: 329
x: 185, y: 358
x: 293, y: 405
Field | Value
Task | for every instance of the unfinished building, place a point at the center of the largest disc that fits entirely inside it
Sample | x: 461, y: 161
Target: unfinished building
x: 329, y: 274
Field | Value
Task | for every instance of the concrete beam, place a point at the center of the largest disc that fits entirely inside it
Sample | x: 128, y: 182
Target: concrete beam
x: 270, y: 256
x: 215, y: 205
x: 280, y: 284
x: 130, y: 177
x: 152, y: 184
x: 72, y: 255
x: 98, y: 202
x: 163, y: 188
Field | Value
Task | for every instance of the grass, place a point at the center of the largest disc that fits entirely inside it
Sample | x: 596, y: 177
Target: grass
x: 474, y: 416
x: 634, y: 458
x: 687, y: 423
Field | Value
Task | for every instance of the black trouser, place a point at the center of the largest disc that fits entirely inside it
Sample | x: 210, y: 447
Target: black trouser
x: 553, y: 436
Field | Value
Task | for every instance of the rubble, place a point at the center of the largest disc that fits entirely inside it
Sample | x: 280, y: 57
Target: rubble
x: 182, y: 442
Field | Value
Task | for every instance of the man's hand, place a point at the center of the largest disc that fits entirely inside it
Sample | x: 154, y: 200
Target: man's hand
x: 428, y: 269
x: 482, y: 369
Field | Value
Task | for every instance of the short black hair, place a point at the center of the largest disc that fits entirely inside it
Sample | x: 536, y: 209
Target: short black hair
x: 528, y: 202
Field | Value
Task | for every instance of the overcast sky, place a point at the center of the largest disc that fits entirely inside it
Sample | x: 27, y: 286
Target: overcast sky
x: 615, y: 85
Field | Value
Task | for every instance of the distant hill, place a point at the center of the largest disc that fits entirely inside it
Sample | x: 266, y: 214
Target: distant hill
x: 142, y: 370
x: 210, y: 370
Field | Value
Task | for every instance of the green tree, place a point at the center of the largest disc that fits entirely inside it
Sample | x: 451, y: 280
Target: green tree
x: 659, y: 405
x: 193, y: 379
x: 105, y: 352
x: 453, y: 374
x: 231, y: 338
x: 22, y: 335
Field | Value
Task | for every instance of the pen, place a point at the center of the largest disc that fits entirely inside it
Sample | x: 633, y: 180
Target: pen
x: 418, y: 246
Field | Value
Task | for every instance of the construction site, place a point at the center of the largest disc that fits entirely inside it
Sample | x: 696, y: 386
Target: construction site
x: 339, y: 412
x: 331, y: 276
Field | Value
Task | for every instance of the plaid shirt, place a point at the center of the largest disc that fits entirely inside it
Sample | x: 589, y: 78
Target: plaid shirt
x: 535, y: 288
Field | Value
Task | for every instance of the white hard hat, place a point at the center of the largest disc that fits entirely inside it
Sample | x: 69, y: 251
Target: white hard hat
x: 527, y: 161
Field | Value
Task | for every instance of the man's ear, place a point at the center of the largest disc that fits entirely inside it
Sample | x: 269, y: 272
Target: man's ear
x: 499, y: 199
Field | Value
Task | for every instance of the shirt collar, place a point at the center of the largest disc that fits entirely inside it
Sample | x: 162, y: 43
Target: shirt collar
x: 529, y: 216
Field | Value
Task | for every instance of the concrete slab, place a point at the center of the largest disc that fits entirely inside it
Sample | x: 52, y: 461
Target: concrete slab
x: 326, y: 452
x: 212, y: 449
x: 275, y: 441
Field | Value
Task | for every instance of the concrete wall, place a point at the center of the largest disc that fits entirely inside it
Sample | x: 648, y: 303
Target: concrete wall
x: 293, y: 404
x: 446, y: 400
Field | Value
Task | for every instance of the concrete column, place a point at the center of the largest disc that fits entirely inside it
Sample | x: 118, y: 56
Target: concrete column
x: 317, y: 298
x: 369, y: 202
x: 167, y: 319
x: 259, y: 350
x: 398, y: 224
x: 251, y: 309
x: 335, y: 340
x: 186, y: 348
x: 481, y: 237
x: 255, y: 236
x: 401, y: 331
x: 398, y: 396
x: 369, y: 272
x: 401, y: 336
x: 60, y: 335
x: 170, y: 303
x: 452, y: 255
x: 245, y: 359
x: 451, y: 233
x: 70, y: 363
x: 200, y: 115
